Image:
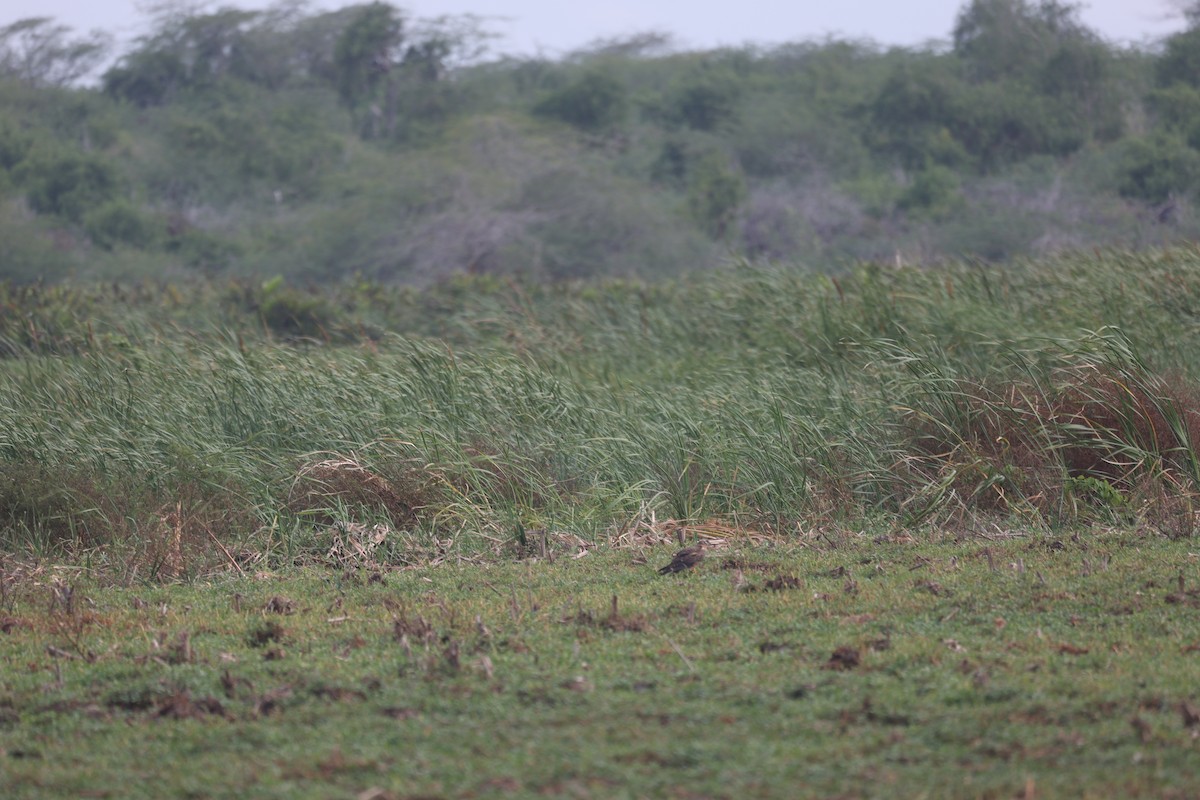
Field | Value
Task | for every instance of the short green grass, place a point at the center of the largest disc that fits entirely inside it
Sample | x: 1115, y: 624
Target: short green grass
x: 845, y: 664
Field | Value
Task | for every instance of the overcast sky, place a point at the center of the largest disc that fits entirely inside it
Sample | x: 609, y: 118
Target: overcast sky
x: 553, y: 27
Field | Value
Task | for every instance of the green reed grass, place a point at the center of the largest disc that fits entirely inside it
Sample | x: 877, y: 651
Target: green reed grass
x: 768, y: 396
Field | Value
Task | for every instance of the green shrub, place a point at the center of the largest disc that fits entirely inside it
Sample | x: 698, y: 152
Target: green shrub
x: 716, y: 190
x: 1158, y: 166
x: 915, y: 115
x: 203, y: 250
x: 933, y: 191
x: 289, y: 312
x: 594, y: 103
x: 1177, y: 109
x: 1180, y: 61
x: 15, y: 144
x: 28, y: 253
x: 118, y: 222
x: 146, y: 78
x: 66, y: 183
x: 704, y: 104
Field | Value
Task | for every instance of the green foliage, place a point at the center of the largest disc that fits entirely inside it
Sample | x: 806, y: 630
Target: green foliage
x: 292, y: 313
x: 586, y: 225
x: 1037, y: 82
x: 202, y: 250
x: 715, y: 192
x: 1108, y: 500
x: 1156, y: 167
x: 29, y: 254
x: 318, y: 145
x: 146, y: 78
x: 596, y: 102
x: 213, y: 45
x: 184, y: 53
x: 704, y: 103
x: 15, y: 144
x: 1177, y: 109
x: 1006, y: 39
x: 119, y: 222
x: 670, y: 166
x: 39, y: 52
x: 933, y: 191
x: 1002, y: 124
x: 916, y: 112
x: 66, y: 183
x: 1082, y: 78
x: 745, y: 393
x: 1180, y: 61
x: 246, y: 137
x: 365, y: 52
x: 926, y: 114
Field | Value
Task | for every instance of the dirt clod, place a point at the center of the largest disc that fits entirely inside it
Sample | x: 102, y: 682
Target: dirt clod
x: 844, y: 658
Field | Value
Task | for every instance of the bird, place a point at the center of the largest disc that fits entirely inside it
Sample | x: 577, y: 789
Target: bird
x: 686, y: 558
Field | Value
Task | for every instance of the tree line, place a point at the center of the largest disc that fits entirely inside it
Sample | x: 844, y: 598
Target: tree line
x: 367, y: 141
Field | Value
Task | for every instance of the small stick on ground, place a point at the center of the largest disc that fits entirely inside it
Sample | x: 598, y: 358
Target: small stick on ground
x: 232, y: 560
x: 687, y: 662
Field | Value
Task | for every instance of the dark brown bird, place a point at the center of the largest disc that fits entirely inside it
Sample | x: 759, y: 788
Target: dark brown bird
x: 686, y: 558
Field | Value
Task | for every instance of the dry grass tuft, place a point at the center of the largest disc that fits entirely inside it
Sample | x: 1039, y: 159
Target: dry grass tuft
x: 324, y: 488
x: 1092, y: 435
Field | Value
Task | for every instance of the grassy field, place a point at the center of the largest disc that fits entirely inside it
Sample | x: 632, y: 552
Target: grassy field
x: 259, y: 540
x: 997, y: 665
x: 151, y: 434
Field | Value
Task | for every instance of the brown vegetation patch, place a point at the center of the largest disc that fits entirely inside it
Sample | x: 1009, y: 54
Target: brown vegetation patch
x: 402, y: 492
x: 1190, y: 714
x: 415, y: 628
x: 751, y: 566
x: 1089, y: 435
x: 168, y: 530
x: 181, y: 705
x: 867, y: 713
x: 1189, y: 597
x: 356, y: 544
x: 272, y: 701
x: 280, y: 605
x: 262, y: 635
x: 400, y: 712
x: 614, y: 620
x: 1120, y: 425
x: 844, y: 658
x: 933, y: 587
x: 646, y: 530
x: 782, y: 583
x: 337, y: 694
x: 165, y: 529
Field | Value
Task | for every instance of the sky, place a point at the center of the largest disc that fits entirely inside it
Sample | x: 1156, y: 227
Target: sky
x: 553, y: 27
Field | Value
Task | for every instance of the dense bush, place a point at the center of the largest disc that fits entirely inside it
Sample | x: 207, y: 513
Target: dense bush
x: 595, y: 102
x: 119, y: 222
x: 933, y: 191
x: 705, y: 103
x: 1180, y: 61
x: 1157, y: 167
x: 66, y: 183
x: 146, y: 78
x: 715, y: 193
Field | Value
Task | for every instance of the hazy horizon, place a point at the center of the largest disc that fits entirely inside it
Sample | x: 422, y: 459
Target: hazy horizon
x: 527, y: 27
